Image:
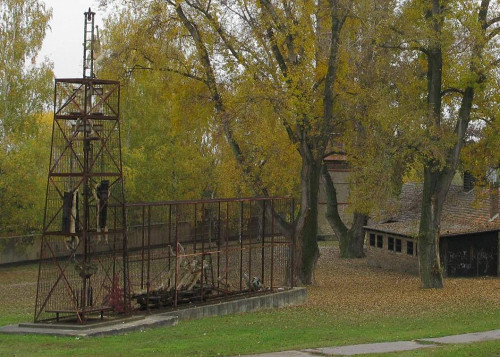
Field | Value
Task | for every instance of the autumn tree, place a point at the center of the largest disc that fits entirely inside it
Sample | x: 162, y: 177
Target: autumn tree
x: 449, y: 47
x: 285, y: 54
x: 368, y: 133
x: 25, y: 92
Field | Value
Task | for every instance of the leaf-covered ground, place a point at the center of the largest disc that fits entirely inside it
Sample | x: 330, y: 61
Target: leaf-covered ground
x: 351, y: 285
x: 344, y: 287
x: 18, y: 291
x: 351, y: 303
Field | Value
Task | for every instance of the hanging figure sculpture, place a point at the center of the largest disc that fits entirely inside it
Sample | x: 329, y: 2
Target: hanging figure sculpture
x: 70, y: 220
x: 101, y: 197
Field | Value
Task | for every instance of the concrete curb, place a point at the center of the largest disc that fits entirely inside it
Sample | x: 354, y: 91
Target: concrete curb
x: 95, y: 330
x: 284, y: 298
x: 293, y: 296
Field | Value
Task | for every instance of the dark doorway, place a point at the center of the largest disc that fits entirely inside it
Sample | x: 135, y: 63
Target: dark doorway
x: 471, y: 255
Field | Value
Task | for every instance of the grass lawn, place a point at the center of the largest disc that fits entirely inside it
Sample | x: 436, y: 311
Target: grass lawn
x: 352, y: 303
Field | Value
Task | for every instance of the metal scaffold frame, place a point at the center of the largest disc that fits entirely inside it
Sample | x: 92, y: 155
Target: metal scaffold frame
x: 83, y: 255
x: 100, y: 256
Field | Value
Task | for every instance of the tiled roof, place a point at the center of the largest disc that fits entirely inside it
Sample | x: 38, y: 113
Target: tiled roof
x: 463, y: 212
x: 336, y: 157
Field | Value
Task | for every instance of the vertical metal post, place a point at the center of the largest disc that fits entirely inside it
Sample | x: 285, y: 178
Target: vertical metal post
x: 88, y: 45
x: 227, y: 248
x: 124, y: 227
x: 114, y: 246
x: 38, y: 309
x: 241, y: 245
x: 263, y: 238
x: 292, y: 265
x: 142, y: 244
x: 218, y: 244
x: 250, y: 247
x: 195, y: 230
x: 42, y: 254
x: 272, y: 244
x: 169, y: 235
x: 177, y: 252
x: 148, y: 280
x: 86, y: 198
x: 202, y: 248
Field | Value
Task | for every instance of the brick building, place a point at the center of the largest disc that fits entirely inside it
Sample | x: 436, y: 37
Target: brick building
x: 470, y: 228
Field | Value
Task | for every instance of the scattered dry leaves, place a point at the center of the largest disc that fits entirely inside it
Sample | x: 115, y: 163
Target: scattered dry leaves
x: 350, y: 285
x: 347, y: 288
x: 18, y: 287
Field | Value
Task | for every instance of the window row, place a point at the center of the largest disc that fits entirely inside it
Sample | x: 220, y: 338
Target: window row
x: 393, y: 244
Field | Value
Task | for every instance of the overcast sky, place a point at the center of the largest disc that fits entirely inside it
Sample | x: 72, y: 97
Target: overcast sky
x: 63, y: 42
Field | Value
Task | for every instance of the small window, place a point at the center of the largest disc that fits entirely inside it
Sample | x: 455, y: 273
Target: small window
x: 409, y: 248
x: 398, y: 245
x: 372, y: 239
x: 390, y: 243
x: 380, y: 241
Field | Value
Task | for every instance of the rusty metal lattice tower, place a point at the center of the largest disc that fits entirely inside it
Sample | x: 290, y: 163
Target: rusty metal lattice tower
x: 83, y: 265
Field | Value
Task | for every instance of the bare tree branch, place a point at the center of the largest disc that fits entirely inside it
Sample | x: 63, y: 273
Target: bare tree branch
x: 451, y: 90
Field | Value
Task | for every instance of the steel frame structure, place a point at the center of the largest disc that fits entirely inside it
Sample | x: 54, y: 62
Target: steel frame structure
x: 179, y: 252
x: 83, y: 251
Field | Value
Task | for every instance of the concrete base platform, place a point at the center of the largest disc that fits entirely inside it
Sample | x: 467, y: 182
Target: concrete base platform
x: 294, y: 296
x: 95, y: 329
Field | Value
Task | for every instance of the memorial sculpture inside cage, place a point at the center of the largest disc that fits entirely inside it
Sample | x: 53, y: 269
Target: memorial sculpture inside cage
x: 101, y: 256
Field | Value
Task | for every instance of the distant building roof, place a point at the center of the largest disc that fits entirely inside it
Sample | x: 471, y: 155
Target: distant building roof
x: 336, y: 157
x: 463, y: 212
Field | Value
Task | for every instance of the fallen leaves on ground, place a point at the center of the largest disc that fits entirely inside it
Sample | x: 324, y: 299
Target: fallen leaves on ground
x: 344, y: 287
x: 351, y: 285
x: 18, y: 287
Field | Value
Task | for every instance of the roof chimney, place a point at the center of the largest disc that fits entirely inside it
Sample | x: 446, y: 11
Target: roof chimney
x: 469, y: 181
x: 493, y: 200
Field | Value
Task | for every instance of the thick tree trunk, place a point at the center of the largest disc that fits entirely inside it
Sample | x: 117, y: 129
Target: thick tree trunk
x: 435, y: 188
x: 351, y: 240
x: 306, y: 234
x: 351, y: 246
x: 434, y: 193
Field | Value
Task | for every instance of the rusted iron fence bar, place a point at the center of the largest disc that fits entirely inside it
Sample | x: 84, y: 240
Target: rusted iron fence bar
x: 222, y: 248
x: 176, y: 253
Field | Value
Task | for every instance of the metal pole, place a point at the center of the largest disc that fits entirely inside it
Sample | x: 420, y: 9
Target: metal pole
x: 195, y: 230
x: 169, y: 235
x: 176, y: 254
x: 250, y: 248
x: 148, y: 280
x: 241, y: 245
x: 292, y: 265
x: 227, y: 248
x: 202, y: 247
x: 262, y: 257
x: 142, y: 244
x: 218, y: 245
x: 272, y: 245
